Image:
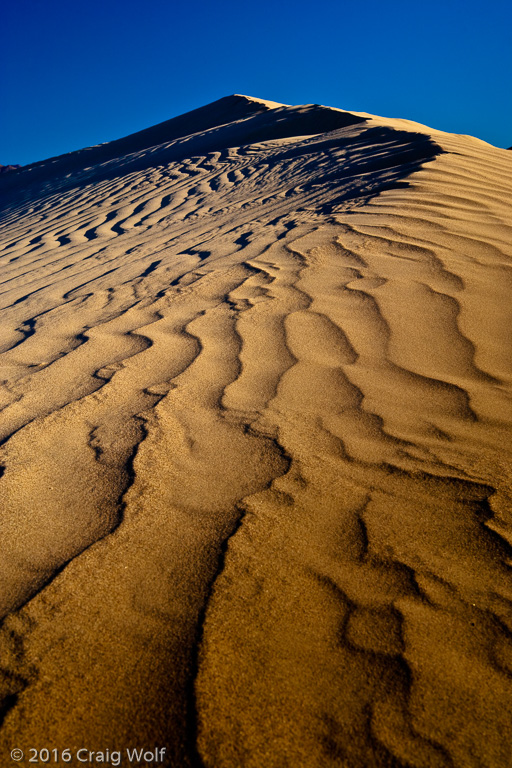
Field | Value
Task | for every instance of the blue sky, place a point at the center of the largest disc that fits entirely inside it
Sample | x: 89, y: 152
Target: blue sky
x: 73, y: 74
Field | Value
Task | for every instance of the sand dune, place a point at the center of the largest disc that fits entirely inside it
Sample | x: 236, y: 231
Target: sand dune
x: 255, y: 429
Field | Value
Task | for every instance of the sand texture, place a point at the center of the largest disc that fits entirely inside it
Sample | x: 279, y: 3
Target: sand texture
x: 255, y: 444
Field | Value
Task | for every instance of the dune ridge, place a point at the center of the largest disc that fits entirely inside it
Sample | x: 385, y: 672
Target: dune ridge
x: 255, y: 422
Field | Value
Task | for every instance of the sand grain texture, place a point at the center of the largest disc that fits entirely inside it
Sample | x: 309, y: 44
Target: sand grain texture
x: 256, y: 417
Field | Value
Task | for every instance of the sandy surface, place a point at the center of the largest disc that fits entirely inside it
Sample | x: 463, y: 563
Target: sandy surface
x: 256, y: 411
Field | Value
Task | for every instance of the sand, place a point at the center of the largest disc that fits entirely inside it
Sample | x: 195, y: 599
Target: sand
x: 256, y: 415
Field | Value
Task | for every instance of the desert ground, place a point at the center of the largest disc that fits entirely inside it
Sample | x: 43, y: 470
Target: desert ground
x: 256, y: 411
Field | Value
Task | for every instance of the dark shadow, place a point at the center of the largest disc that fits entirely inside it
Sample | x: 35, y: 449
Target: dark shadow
x: 231, y: 122
x: 8, y: 703
x: 151, y: 268
x: 367, y: 160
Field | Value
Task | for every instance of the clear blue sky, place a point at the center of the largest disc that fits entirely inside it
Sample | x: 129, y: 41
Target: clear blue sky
x: 77, y: 73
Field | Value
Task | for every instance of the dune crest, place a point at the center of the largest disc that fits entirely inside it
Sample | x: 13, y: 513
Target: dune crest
x: 255, y: 443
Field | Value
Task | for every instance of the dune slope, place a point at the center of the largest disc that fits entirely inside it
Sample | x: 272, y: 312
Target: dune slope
x: 255, y: 432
